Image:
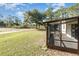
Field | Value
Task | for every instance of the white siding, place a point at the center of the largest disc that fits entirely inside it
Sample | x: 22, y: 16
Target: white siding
x: 68, y: 30
x: 64, y: 28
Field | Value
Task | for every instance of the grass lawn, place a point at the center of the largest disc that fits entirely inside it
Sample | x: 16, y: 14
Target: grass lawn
x: 21, y: 43
x: 26, y: 43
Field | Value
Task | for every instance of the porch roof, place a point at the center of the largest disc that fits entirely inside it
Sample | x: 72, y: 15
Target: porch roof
x: 65, y: 20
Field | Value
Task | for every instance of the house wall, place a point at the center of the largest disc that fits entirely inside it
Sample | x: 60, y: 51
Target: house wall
x: 68, y: 29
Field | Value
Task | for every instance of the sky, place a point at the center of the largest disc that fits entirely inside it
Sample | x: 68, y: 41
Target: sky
x: 17, y: 9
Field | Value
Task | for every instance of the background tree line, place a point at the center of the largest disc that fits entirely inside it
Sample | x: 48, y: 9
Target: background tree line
x: 9, y: 21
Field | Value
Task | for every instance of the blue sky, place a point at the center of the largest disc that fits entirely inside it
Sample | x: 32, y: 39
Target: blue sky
x: 17, y: 9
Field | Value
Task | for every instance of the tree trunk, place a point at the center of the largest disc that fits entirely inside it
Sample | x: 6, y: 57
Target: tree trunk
x: 39, y: 26
x: 36, y: 25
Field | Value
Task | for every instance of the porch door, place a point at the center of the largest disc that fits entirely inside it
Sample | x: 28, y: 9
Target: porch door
x: 57, y: 41
x: 53, y: 35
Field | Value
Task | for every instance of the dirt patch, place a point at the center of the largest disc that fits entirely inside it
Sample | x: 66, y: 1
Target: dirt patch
x: 52, y: 52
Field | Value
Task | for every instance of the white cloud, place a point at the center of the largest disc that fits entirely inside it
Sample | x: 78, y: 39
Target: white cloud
x: 55, y: 9
x: 18, y: 8
x: 20, y: 13
x: 30, y: 3
x: 46, y: 9
x: 11, y: 5
x: 56, y: 6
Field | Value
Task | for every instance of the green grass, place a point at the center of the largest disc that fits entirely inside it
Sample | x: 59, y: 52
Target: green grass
x: 21, y: 43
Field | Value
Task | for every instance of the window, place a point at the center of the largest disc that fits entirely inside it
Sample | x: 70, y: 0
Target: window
x: 74, y: 30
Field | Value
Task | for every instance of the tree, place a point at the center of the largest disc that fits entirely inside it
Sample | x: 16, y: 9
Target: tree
x: 61, y: 13
x: 37, y: 17
x: 49, y: 13
x: 11, y: 21
x: 27, y: 18
x: 74, y: 10
x: 2, y: 23
x: 17, y: 22
x: 34, y: 16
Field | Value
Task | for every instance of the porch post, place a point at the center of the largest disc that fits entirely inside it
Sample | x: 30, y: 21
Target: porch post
x: 60, y: 30
x: 78, y: 34
x: 47, y: 35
